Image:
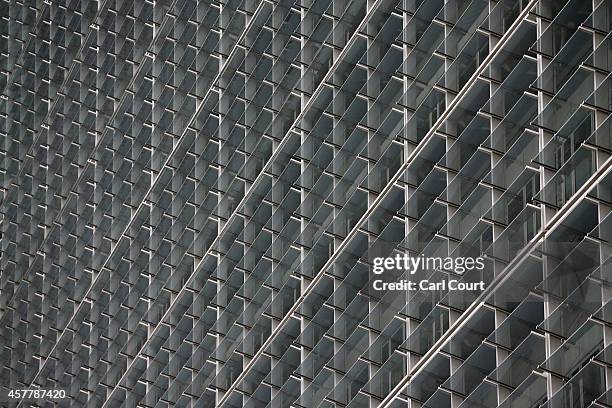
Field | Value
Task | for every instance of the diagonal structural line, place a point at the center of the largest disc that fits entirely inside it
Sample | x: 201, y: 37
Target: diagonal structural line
x: 555, y: 221
x: 92, y: 154
x: 261, y: 175
x: 418, y: 149
x: 170, y: 157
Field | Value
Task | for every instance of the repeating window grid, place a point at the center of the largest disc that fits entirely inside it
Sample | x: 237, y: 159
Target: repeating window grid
x: 492, y: 154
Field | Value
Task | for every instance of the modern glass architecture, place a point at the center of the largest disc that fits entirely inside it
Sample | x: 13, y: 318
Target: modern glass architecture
x: 192, y: 191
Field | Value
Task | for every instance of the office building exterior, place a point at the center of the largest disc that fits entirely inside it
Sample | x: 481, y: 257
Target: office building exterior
x: 192, y: 193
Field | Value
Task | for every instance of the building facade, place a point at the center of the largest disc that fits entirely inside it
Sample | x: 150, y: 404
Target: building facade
x: 192, y: 192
